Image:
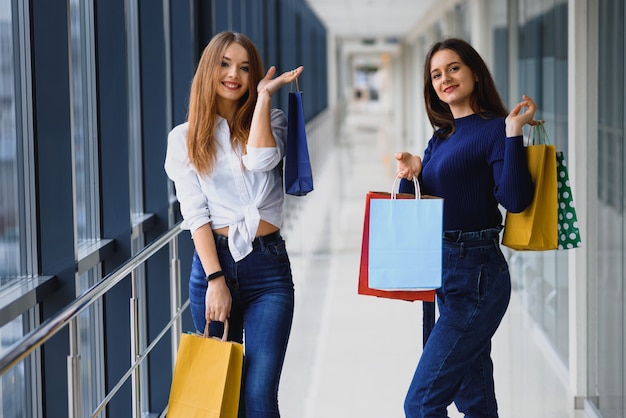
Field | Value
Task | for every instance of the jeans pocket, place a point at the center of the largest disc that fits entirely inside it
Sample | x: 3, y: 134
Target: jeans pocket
x: 276, y: 250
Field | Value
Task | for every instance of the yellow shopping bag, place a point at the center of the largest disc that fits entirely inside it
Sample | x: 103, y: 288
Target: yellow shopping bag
x: 207, y: 377
x: 536, y: 228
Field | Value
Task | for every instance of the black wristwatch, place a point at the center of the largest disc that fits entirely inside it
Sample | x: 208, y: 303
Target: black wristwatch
x: 214, y: 276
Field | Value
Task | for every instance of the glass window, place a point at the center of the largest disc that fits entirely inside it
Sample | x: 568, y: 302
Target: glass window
x: 137, y: 214
x: 17, y: 394
x: 134, y: 106
x: 83, y: 122
x: 607, y: 370
x: 84, y: 142
x: 17, y: 243
x: 500, y: 34
x: 462, y: 12
x: 542, y: 70
x: 10, y: 233
x: 91, y: 343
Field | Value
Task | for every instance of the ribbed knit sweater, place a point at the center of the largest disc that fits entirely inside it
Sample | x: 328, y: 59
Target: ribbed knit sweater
x: 474, y: 170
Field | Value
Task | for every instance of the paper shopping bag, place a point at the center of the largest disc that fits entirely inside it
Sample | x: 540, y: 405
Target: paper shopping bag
x: 298, y: 173
x: 536, y: 227
x: 405, y: 244
x: 207, y: 378
x: 569, y: 234
x: 364, y: 288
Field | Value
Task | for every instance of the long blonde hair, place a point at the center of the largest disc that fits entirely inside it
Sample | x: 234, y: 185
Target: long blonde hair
x: 202, y: 116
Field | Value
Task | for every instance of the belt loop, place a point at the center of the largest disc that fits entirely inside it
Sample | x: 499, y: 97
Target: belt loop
x: 261, y: 241
x: 462, y: 250
x: 220, y: 240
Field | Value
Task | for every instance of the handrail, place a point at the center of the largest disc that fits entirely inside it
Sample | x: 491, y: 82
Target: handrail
x: 37, y: 337
x: 122, y: 380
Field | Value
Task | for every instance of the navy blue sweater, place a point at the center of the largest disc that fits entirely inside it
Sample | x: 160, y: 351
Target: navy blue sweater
x: 474, y: 170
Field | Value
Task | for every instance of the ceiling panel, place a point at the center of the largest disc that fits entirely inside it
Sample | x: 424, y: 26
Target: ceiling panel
x: 370, y: 18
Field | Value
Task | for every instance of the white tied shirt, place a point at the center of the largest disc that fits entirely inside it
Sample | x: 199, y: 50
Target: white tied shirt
x: 239, y: 192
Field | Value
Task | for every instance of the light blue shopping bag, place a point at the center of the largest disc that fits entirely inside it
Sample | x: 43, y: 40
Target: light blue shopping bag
x: 405, y: 243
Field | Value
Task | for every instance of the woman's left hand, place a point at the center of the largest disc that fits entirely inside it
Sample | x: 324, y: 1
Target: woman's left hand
x: 272, y: 85
x: 515, y: 121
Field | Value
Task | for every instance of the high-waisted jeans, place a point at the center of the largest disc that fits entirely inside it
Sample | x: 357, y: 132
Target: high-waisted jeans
x: 262, y: 289
x: 456, y: 365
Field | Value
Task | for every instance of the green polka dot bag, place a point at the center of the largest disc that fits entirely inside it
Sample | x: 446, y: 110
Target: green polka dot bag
x: 569, y: 235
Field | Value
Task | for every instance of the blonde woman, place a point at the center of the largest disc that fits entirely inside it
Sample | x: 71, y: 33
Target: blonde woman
x: 226, y: 163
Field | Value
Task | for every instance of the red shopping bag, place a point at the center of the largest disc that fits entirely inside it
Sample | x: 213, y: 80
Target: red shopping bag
x: 364, y: 289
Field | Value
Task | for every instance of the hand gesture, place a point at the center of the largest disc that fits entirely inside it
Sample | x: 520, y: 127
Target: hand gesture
x: 515, y: 121
x: 409, y: 166
x: 272, y: 85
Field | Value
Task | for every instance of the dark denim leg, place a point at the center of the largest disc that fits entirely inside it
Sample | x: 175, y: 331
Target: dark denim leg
x: 262, y: 284
x: 472, y: 301
x: 476, y: 397
x: 197, y: 293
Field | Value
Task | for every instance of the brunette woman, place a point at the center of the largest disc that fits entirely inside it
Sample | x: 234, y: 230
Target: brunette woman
x: 475, y: 161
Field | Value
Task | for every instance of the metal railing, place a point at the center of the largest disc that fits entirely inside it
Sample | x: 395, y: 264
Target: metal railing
x: 321, y: 133
x: 69, y: 317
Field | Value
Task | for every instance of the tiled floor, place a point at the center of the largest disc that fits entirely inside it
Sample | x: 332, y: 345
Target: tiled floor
x: 353, y: 356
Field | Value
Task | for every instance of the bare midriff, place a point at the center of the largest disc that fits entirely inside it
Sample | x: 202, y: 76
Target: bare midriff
x: 265, y: 228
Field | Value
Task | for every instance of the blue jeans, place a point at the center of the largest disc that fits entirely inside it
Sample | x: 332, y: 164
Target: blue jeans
x: 456, y: 365
x: 263, y: 302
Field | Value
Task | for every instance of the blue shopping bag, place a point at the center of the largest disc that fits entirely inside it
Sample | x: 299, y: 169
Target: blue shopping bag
x: 298, y: 173
x: 405, y: 245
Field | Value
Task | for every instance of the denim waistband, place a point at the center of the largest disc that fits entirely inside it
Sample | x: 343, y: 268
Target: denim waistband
x: 222, y: 240
x: 460, y: 236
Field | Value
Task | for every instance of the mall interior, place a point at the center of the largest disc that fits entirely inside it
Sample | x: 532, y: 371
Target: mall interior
x: 94, y: 265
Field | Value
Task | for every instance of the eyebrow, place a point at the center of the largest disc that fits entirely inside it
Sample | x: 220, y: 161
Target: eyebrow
x: 447, y: 66
x: 225, y: 58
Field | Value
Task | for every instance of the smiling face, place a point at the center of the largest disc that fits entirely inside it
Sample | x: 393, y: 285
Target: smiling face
x: 233, y: 78
x: 453, y: 81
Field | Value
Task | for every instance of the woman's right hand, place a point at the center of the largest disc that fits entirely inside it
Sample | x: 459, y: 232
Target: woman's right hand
x: 218, y: 301
x: 408, y: 166
x: 272, y: 85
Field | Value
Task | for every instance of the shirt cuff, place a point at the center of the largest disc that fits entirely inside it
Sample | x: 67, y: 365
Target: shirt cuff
x: 261, y: 159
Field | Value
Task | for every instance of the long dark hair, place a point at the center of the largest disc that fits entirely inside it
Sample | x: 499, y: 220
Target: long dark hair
x: 485, y: 100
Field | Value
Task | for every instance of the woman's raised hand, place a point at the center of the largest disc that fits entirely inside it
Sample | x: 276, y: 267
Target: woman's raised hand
x: 515, y: 121
x: 272, y: 85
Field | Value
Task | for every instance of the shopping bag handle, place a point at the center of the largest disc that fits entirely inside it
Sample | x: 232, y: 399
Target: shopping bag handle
x: 224, y: 336
x: 538, y: 134
x: 418, y: 192
x: 297, y: 87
